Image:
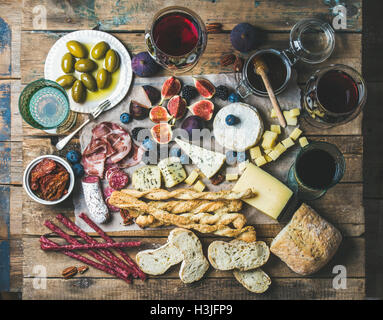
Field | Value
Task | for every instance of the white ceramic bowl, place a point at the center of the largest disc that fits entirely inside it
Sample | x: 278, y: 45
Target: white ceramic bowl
x: 32, y: 164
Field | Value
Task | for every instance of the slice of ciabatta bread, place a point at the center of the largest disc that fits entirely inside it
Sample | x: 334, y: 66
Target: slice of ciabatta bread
x: 194, y: 263
x: 158, y: 261
x: 238, y: 254
x: 253, y: 280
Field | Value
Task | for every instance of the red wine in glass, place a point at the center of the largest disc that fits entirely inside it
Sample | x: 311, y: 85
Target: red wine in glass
x: 176, y: 34
x: 338, y: 92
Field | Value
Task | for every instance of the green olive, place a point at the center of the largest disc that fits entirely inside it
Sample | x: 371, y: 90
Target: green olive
x: 103, y: 78
x: 89, y: 81
x: 78, y: 92
x: 99, y: 50
x: 77, y: 49
x: 66, y: 81
x: 112, y: 61
x: 67, y: 63
x: 85, y: 65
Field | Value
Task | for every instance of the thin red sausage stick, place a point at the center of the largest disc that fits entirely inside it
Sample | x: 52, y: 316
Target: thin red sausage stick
x: 89, y: 262
x: 69, y: 224
x: 103, y: 235
x: 95, y: 255
x: 87, y: 246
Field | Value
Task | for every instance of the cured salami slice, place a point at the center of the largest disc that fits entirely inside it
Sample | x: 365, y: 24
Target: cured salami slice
x: 94, y: 200
x: 116, y: 178
x: 107, y: 193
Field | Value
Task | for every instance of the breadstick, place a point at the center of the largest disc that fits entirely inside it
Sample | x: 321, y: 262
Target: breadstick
x: 197, y: 206
x: 187, y: 194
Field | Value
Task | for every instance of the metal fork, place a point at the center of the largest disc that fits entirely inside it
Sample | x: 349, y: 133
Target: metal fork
x: 92, y: 116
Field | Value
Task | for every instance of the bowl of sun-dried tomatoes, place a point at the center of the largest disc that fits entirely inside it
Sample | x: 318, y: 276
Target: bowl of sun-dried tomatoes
x: 48, y: 179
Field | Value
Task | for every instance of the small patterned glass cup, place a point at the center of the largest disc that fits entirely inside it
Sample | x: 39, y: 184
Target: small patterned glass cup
x: 44, y: 105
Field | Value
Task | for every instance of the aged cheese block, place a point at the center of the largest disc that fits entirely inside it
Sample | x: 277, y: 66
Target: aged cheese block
x: 172, y: 171
x: 147, y: 178
x: 245, y: 133
x: 272, y: 195
x: 209, y: 162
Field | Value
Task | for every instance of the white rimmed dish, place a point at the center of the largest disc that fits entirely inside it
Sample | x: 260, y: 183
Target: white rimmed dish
x: 28, y: 170
x: 52, y: 68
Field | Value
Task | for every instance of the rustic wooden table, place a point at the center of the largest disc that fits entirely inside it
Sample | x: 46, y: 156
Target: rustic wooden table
x: 19, y: 143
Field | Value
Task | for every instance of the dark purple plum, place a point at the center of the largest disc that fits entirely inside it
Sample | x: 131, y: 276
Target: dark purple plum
x: 193, y: 122
x: 143, y: 65
x: 244, y: 37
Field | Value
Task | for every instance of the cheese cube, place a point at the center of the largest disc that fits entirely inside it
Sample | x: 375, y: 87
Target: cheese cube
x: 192, y: 177
x: 291, y: 121
x: 295, y: 134
x: 269, y: 138
x: 260, y: 161
x: 303, y: 142
x: 276, y: 128
x: 268, y: 158
x: 199, y: 186
x: 255, y: 152
x: 274, y: 155
x: 272, y: 195
x: 231, y: 176
x: 288, y: 142
x: 295, y: 112
x: 280, y: 148
x: 273, y: 114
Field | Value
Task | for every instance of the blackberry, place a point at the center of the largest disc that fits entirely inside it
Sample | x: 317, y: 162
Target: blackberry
x: 222, y: 92
x: 138, y: 135
x: 189, y: 93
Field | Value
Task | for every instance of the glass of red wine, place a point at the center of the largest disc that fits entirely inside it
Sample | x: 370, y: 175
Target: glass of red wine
x: 318, y: 167
x: 333, y: 95
x: 176, y: 38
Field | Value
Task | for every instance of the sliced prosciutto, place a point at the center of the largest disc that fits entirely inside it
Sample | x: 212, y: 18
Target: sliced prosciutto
x: 110, y: 144
x: 134, y: 157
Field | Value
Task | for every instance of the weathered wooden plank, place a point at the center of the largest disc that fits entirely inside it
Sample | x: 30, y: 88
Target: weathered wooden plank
x: 10, y: 26
x: 158, y: 289
x: 35, y: 46
x: 135, y: 15
x: 5, y: 111
x: 350, y: 254
x: 4, y: 265
x: 16, y: 265
x: 15, y: 211
x: 4, y: 212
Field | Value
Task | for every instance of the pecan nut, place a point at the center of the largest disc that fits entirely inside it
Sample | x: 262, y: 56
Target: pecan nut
x: 217, y: 179
x: 227, y: 60
x: 69, y: 272
x: 238, y: 64
x: 83, y: 269
x: 215, y: 27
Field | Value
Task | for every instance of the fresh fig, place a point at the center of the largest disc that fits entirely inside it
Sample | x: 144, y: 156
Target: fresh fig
x: 244, y: 37
x: 152, y: 94
x: 170, y: 88
x: 162, y: 133
x: 205, y: 88
x: 193, y: 123
x: 203, y: 109
x: 138, y: 111
x: 143, y: 65
x: 159, y: 114
x: 177, y: 107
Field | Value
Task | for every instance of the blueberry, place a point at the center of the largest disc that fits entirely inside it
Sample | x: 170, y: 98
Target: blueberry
x: 231, y: 120
x: 148, y: 144
x: 73, y: 156
x: 241, y: 156
x: 175, y: 152
x: 78, y: 170
x: 233, y: 97
x: 125, y: 117
x: 231, y: 157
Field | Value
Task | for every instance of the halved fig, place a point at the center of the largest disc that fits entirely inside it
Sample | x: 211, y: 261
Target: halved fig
x: 138, y: 110
x: 162, y: 133
x: 159, y: 114
x: 205, y: 88
x: 152, y: 94
x: 203, y: 109
x: 177, y: 107
x: 170, y: 88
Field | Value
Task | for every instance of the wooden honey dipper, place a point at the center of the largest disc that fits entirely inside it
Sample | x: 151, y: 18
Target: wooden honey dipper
x: 261, y: 69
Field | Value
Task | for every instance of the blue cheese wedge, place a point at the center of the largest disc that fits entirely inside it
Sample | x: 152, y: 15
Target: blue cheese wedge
x: 147, y: 178
x: 172, y: 171
x: 209, y: 162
